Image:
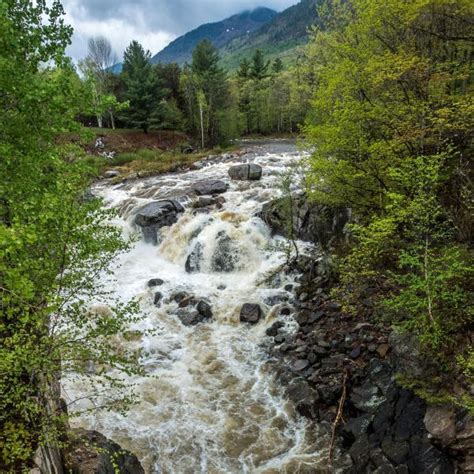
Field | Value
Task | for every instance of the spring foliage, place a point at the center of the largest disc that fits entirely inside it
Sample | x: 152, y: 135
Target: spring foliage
x: 391, y: 122
x: 54, y: 242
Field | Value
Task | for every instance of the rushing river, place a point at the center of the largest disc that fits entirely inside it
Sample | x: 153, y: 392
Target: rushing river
x: 209, y: 402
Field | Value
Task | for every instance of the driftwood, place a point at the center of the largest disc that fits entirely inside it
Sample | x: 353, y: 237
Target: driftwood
x: 338, y: 418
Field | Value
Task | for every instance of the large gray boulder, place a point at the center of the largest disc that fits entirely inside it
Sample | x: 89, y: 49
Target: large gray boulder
x: 250, y: 313
x: 249, y: 172
x: 312, y: 222
x: 153, y: 216
x: 209, y: 187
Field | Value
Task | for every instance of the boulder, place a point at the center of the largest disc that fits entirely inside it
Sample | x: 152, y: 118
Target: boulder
x: 312, y: 222
x: 204, y: 309
x: 190, y: 318
x: 111, y: 174
x: 249, y: 172
x: 90, y: 452
x: 225, y: 257
x: 209, y: 186
x: 151, y: 217
x: 155, y: 282
x: 193, y: 261
x: 157, y: 298
x: 250, y: 313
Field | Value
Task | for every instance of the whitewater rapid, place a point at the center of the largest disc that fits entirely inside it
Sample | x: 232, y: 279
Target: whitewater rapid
x: 208, y: 402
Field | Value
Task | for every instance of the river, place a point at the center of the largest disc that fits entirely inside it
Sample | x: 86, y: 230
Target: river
x: 210, y: 402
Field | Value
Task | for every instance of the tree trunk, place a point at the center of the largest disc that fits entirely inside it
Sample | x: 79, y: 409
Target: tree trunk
x: 201, y: 114
x: 112, y: 119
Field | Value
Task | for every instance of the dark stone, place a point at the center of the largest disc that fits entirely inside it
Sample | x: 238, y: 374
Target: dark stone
x: 157, y: 298
x: 357, y: 426
x: 300, y: 365
x: 355, y: 353
x: 272, y: 331
x: 279, y: 338
x: 304, y: 397
x: 286, y: 311
x: 190, y: 318
x: 367, y: 398
x: 157, y: 214
x: 91, y: 452
x: 155, y: 282
x: 360, y: 450
x: 225, y: 257
x: 180, y: 296
x: 250, y: 313
x: 209, y: 186
x: 396, y: 451
x: 204, y: 309
x: 193, y: 261
x: 315, y: 317
x: 312, y: 222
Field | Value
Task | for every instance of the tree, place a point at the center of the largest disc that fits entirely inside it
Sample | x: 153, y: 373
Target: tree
x: 206, y: 90
x: 141, y: 87
x: 96, y: 70
x: 259, y: 67
x: 277, y: 66
x: 53, y: 241
x: 390, y: 124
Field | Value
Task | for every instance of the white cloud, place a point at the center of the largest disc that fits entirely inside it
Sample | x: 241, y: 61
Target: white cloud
x: 153, y: 23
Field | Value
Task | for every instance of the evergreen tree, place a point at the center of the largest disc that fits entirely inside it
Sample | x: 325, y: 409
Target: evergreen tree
x: 259, y: 67
x: 277, y: 66
x: 141, y: 87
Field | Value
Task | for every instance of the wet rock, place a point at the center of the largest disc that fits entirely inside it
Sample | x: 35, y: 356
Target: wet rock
x: 111, y: 174
x: 203, y: 201
x: 304, y: 397
x: 225, y: 257
x: 312, y: 222
x: 300, y: 365
x: 204, y: 309
x: 285, y: 311
x: 157, y: 298
x: 154, y: 216
x: 155, y: 282
x: 190, y: 318
x: 250, y: 172
x: 180, y: 296
x: 272, y: 331
x: 193, y: 261
x: 209, y: 186
x: 90, y: 452
x: 366, y: 398
x: 187, y: 301
x: 355, y: 353
x: 382, y: 350
x: 250, y: 313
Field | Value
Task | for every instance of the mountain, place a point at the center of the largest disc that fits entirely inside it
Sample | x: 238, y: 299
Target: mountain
x: 281, y: 36
x: 220, y: 34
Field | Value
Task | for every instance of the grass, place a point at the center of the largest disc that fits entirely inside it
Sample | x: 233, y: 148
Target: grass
x: 146, y: 162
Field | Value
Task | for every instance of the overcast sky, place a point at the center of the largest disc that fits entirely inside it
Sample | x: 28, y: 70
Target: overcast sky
x: 154, y: 23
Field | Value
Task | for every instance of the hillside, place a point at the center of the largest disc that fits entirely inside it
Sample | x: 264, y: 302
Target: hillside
x: 220, y: 34
x: 279, y: 37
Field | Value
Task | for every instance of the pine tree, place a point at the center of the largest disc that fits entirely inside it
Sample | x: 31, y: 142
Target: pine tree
x: 259, y: 68
x: 141, y: 87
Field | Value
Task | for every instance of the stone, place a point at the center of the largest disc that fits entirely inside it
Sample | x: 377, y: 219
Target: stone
x: 209, y: 186
x: 250, y: 313
x: 272, y: 331
x: 90, y: 452
x: 355, y: 353
x: 225, y: 257
x: 366, y: 398
x: 190, y: 318
x: 285, y: 311
x: 204, y: 309
x: 155, y: 215
x: 203, y: 201
x: 155, y: 282
x: 111, y: 174
x: 249, y: 172
x: 382, y: 350
x: 193, y: 260
x: 312, y: 222
x: 440, y: 423
x: 396, y: 451
x: 300, y: 365
x: 304, y: 397
x: 157, y: 298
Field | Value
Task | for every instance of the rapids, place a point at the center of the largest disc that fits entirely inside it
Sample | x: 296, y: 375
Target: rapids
x: 209, y: 402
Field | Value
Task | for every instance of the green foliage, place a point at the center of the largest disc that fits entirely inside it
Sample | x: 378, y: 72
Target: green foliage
x: 390, y: 124
x: 141, y: 88
x: 54, y: 243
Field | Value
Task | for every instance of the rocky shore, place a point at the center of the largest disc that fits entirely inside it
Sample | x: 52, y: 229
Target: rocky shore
x: 341, y: 371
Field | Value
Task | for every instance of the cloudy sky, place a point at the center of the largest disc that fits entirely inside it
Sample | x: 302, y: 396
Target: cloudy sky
x: 154, y: 23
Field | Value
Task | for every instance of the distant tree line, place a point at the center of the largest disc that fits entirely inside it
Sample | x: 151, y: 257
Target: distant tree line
x: 200, y: 98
